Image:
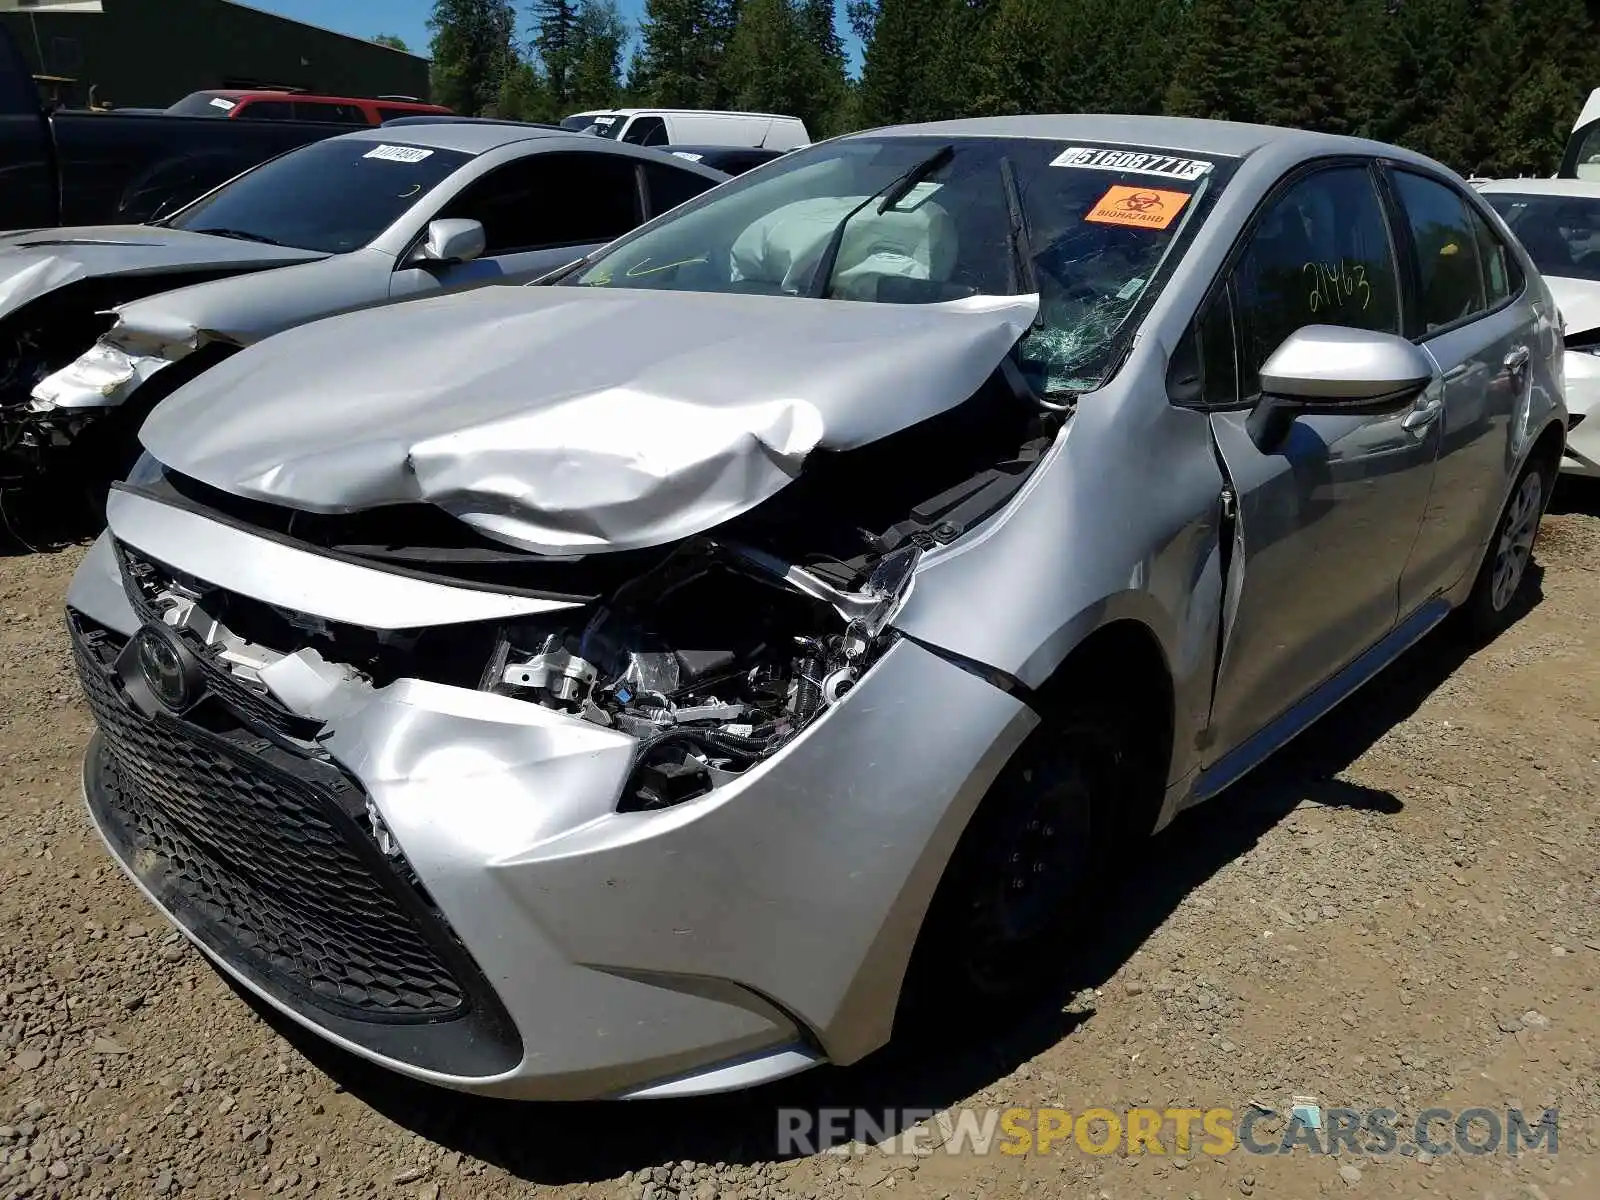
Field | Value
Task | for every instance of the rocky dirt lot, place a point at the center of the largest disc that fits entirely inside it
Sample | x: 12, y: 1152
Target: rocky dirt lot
x: 1404, y: 912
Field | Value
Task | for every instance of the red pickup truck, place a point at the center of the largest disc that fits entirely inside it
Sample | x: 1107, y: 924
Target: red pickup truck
x: 283, y: 105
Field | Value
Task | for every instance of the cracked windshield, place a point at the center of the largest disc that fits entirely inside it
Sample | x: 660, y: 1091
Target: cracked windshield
x: 929, y: 220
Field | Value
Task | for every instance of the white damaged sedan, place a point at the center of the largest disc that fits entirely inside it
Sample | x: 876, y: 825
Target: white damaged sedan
x: 1558, y: 222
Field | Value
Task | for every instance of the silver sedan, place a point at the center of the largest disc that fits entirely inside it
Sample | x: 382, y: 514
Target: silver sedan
x: 353, y: 221
x: 656, y: 681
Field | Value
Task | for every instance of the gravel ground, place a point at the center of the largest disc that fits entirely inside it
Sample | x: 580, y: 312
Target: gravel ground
x: 1400, y: 913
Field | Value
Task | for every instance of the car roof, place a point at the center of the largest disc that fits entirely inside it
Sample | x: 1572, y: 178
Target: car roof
x: 719, y: 150
x: 1187, y: 134
x: 468, y: 138
x: 237, y: 94
x: 690, y: 112
x: 1543, y: 187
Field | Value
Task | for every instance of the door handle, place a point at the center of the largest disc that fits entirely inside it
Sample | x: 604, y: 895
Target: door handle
x: 1423, y: 416
x: 1517, y: 361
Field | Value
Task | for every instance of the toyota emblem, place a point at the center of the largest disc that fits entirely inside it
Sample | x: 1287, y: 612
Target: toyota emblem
x: 166, y: 667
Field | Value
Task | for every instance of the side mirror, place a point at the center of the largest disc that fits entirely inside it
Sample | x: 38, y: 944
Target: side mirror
x: 453, y: 240
x: 1332, y: 369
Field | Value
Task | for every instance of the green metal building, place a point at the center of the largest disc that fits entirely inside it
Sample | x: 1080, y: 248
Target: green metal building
x: 150, y: 53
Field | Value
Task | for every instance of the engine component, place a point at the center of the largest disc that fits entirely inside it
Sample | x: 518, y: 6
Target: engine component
x: 560, y: 675
x: 710, y: 660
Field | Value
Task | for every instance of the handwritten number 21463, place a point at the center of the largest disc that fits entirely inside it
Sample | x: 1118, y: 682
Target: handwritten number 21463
x: 1332, y: 284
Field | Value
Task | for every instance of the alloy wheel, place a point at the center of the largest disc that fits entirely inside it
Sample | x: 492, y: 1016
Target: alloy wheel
x: 1517, y: 534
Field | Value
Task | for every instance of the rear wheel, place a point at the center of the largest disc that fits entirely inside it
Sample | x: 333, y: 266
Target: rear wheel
x: 1491, y: 606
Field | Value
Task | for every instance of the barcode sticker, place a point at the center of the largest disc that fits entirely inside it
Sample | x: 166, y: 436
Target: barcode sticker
x: 400, y: 154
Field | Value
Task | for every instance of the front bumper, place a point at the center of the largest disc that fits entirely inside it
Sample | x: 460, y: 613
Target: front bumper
x: 730, y: 940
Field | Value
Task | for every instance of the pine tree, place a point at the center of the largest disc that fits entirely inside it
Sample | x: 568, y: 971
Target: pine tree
x: 780, y: 60
x: 523, y: 96
x: 555, y: 30
x: 826, y: 68
x: 1304, y: 67
x: 472, y: 52
x: 599, y: 35
x: 684, y: 42
x: 1016, y: 58
x: 1218, y: 69
x: 1555, y: 67
x: 917, y: 67
x: 1490, y: 86
x: 1430, y: 51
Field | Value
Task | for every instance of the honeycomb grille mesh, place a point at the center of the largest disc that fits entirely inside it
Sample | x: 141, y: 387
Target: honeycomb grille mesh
x: 257, y: 849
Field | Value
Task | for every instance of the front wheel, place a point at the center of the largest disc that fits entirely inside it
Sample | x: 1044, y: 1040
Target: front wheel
x: 1025, y: 870
x: 1491, y: 606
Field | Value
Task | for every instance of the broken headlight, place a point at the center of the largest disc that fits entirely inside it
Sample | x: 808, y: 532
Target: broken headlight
x: 97, y: 374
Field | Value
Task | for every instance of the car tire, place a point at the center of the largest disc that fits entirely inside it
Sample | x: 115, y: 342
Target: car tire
x: 1025, y: 870
x: 1492, y: 605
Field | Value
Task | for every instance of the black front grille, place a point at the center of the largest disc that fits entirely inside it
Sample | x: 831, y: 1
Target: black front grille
x: 143, y: 579
x: 257, y: 849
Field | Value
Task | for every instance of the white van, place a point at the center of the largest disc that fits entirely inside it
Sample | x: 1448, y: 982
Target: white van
x: 693, y: 126
x: 1582, y: 157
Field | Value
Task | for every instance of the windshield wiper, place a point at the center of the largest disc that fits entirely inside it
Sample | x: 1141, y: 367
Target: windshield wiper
x: 240, y: 235
x: 557, y: 274
x: 1024, y: 280
x: 892, y: 193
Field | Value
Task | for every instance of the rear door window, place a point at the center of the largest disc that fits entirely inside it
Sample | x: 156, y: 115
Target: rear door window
x: 1501, y: 280
x: 1319, y: 255
x: 266, y: 110
x: 548, y: 200
x: 1449, y: 277
x: 670, y: 187
x: 333, y: 114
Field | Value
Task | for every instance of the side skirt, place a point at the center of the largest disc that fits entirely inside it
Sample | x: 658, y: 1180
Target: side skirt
x: 1255, y: 750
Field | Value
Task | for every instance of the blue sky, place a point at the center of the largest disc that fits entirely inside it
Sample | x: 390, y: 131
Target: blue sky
x: 408, y: 18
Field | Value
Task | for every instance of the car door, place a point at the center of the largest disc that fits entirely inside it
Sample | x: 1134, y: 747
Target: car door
x: 1325, y: 520
x: 1482, y: 333
x: 538, y: 212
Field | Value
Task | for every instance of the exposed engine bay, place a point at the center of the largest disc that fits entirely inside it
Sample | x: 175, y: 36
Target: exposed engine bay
x: 712, y: 662
x: 713, y: 652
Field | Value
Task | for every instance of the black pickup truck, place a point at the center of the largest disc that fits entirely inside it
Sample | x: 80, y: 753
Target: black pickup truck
x: 64, y: 167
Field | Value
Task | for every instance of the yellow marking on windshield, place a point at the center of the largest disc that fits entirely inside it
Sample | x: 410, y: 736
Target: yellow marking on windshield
x: 638, y: 268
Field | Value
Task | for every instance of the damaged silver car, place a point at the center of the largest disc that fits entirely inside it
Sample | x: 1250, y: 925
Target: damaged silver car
x: 638, y: 685
x: 354, y: 221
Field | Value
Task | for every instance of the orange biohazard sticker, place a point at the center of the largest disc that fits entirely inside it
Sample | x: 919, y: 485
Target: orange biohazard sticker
x: 1143, y: 208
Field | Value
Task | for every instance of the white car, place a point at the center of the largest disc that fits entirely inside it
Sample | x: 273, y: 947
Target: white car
x: 1558, y: 222
x: 683, y: 126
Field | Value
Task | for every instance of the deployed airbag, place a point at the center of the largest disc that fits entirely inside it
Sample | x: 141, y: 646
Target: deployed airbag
x: 783, y: 247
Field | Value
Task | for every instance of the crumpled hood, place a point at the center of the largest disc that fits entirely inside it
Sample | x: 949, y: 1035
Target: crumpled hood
x: 36, y: 262
x: 1578, y: 300
x: 570, y: 420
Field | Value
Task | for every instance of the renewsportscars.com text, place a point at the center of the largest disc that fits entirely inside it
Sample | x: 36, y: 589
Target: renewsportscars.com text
x: 1435, y: 1132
